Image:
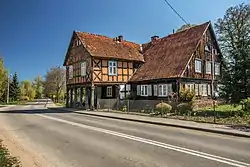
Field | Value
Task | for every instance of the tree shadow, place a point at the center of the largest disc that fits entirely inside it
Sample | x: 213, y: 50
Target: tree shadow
x: 244, y: 128
x: 35, y: 111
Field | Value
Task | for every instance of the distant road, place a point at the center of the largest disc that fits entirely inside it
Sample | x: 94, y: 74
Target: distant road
x: 67, y: 139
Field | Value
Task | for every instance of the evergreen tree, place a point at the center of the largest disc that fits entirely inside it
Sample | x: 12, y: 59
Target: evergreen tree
x: 14, y: 88
x: 234, y: 36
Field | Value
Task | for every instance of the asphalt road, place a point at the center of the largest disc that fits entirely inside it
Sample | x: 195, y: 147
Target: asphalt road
x: 68, y: 139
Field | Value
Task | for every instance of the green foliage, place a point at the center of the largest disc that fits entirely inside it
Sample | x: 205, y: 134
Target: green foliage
x: 185, y: 26
x: 124, y: 108
x: 3, y: 81
x: 233, y: 32
x: 246, y: 104
x: 6, y: 160
x: 163, y: 108
x: 14, y: 88
x: 184, y: 108
x: 187, y: 95
x: 38, y: 87
x: 27, y: 89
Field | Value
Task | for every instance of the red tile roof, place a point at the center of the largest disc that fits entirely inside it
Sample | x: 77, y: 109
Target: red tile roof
x: 168, y: 56
x: 105, y: 47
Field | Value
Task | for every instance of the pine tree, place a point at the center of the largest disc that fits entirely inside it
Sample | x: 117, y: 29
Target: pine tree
x: 14, y: 88
x: 234, y: 36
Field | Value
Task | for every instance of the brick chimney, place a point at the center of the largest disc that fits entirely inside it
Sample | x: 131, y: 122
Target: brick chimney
x: 120, y: 38
x: 154, y: 38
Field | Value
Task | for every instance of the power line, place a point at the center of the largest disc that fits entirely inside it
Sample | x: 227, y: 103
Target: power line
x: 176, y: 12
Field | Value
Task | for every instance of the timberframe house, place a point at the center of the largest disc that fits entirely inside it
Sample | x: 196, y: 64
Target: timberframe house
x: 102, y: 70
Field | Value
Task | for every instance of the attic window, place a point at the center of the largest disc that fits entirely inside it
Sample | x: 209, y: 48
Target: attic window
x: 207, y: 48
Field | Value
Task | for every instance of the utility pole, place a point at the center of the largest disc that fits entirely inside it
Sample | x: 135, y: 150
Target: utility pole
x: 8, y: 88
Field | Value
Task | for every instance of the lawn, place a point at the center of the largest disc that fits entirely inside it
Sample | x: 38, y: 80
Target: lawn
x: 223, y: 108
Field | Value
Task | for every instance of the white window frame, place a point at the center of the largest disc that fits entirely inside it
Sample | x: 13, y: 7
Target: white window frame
x: 208, y: 67
x: 198, y: 66
x: 112, y: 68
x: 162, y: 90
x: 71, y: 72
x: 196, y: 88
x: 83, y: 68
x: 216, y: 68
x: 204, y: 89
x: 144, y: 90
x: 109, y: 91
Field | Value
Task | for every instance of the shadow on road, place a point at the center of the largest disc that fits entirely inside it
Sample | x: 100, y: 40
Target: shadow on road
x: 34, y: 111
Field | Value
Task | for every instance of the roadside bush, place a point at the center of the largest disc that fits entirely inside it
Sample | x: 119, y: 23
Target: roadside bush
x: 124, y: 108
x: 184, y: 108
x: 6, y: 160
x: 163, y: 108
x: 245, y: 104
x: 187, y: 96
x: 24, y: 98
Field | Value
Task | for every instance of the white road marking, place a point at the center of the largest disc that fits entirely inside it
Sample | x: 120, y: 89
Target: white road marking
x: 155, y: 143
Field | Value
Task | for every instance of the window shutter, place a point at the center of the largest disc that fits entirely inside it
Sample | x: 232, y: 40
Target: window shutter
x: 200, y: 89
x: 196, y: 89
x: 149, y: 90
x: 83, y: 69
x: 138, y: 90
x: 170, y: 89
x: 155, y: 90
x: 209, y: 90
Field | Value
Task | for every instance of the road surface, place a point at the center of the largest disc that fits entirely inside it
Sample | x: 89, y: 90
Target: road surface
x: 66, y: 139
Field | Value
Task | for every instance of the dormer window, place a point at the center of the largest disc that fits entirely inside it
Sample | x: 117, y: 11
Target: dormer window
x: 207, y: 48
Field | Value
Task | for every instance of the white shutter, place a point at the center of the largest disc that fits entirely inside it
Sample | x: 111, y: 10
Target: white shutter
x: 83, y: 69
x: 155, y: 90
x: 200, y: 89
x: 196, y: 89
x: 209, y: 90
x: 138, y: 90
x: 149, y: 90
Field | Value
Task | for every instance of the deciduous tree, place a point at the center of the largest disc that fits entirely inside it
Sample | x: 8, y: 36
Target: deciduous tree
x: 55, y: 82
x: 38, y: 86
x: 3, y: 81
x: 234, y: 36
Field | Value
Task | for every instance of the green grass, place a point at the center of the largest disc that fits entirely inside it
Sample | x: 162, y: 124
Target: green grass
x: 6, y: 160
x: 223, y: 108
x: 60, y: 104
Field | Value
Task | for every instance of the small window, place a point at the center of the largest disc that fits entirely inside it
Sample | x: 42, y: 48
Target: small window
x: 112, y: 65
x: 198, y: 65
x: 208, y: 67
x: 109, y: 91
x: 70, y: 72
x: 144, y: 90
x: 204, y: 89
x: 217, y: 69
x: 162, y: 90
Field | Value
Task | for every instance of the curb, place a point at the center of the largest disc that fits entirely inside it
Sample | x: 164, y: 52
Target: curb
x: 163, y: 124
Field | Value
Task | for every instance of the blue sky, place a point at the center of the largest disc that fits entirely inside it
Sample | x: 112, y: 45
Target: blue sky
x: 34, y: 34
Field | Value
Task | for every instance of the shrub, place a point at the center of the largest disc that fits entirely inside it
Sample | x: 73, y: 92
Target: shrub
x: 246, y: 104
x: 124, y: 108
x: 187, y: 96
x: 24, y: 98
x: 163, y: 108
x: 184, y: 108
x: 6, y: 160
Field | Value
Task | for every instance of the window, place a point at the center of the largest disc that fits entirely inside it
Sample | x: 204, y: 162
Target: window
x: 112, y: 67
x: 217, y: 69
x: 83, y: 69
x: 209, y: 90
x: 109, y: 91
x: 70, y: 72
x: 189, y: 87
x: 155, y: 90
x: 138, y: 90
x: 204, y: 89
x: 198, y: 66
x: 208, y: 67
x: 144, y: 90
x: 162, y: 90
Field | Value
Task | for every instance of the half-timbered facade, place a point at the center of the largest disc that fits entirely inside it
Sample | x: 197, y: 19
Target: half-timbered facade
x: 189, y: 59
x: 100, y: 68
